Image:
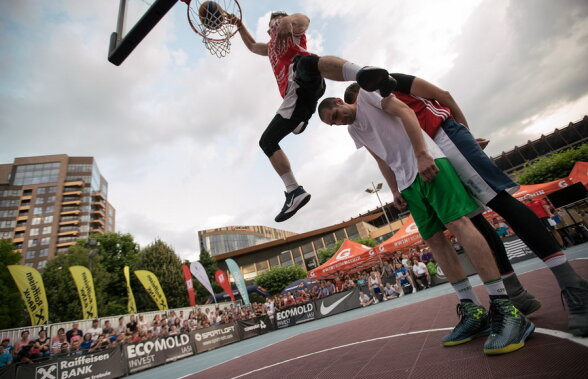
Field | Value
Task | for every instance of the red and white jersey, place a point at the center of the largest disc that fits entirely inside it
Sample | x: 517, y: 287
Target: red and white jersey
x: 281, y: 58
x: 430, y: 113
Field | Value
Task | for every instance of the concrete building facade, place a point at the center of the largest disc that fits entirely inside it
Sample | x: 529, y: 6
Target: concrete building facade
x: 49, y: 202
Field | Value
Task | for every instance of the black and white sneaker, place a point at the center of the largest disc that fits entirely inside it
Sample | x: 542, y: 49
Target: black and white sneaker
x: 294, y: 201
x: 374, y: 78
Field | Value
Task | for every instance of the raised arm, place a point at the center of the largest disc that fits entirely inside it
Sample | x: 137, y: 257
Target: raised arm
x: 422, y: 88
x: 425, y: 162
x: 253, y: 46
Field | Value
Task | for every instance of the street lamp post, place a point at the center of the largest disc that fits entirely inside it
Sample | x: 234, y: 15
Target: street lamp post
x: 375, y: 190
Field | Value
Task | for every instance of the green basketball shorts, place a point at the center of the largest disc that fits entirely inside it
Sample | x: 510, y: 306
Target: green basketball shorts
x: 443, y: 200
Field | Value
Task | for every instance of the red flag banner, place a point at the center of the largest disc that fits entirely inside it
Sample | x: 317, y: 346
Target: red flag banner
x: 221, y: 278
x: 189, y: 286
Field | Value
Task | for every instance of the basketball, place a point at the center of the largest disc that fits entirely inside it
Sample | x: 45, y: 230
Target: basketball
x: 211, y: 15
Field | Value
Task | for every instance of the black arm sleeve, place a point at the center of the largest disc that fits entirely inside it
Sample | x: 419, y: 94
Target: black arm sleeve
x: 404, y: 82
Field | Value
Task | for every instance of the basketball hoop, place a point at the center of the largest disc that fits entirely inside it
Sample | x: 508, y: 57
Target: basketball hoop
x: 211, y: 21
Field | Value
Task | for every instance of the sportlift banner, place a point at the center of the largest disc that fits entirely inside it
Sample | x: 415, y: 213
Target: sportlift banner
x: 215, y: 336
x: 104, y: 364
x: 85, y: 284
x: 143, y: 355
x: 254, y: 327
x: 30, y: 284
x: 153, y: 288
x: 337, y: 303
x: 296, y: 314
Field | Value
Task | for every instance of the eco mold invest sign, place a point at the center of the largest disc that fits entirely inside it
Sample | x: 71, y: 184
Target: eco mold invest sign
x: 296, y: 315
x: 144, y: 355
x: 102, y: 365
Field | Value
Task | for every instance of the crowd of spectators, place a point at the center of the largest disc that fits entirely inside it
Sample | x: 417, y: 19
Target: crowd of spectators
x: 103, y: 335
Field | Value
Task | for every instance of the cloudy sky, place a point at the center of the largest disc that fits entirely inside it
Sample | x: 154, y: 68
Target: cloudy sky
x: 175, y: 129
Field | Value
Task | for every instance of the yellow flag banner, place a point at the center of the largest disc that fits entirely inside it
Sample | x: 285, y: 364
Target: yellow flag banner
x: 30, y: 284
x: 131, y: 306
x: 151, y: 284
x: 85, y: 284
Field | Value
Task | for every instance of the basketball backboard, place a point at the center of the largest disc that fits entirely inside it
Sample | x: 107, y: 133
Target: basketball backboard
x: 136, y: 18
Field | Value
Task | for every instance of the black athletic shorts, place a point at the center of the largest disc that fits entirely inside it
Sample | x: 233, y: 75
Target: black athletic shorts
x: 305, y: 87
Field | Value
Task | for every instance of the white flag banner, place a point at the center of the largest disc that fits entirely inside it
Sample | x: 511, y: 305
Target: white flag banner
x: 199, y: 273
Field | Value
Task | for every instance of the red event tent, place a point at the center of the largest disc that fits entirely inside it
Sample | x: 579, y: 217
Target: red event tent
x: 350, y: 256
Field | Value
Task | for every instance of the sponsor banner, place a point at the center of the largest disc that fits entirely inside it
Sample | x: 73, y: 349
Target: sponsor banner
x: 254, y: 327
x: 199, y: 273
x: 215, y: 336
x: 82, y: 277
x: 295, y: 315
x: 143, y: 355
x: 104, y: 364
x: 8, y: 372
x: 189, y: 285
x: 239, y: 281
x: 221, y: 278
x: 153, y: 288
x: 30, y: 284
x: 131, y: 306
x: 337, y: 303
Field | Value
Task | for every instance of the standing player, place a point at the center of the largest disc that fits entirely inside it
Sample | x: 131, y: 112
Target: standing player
x: 412, y: 163
x: 442, y: 119
x: 300, y: 74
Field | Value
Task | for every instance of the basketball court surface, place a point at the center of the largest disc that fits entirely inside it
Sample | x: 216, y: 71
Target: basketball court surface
x: 401, y: 339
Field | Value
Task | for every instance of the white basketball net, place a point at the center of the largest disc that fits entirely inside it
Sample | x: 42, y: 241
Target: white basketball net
x: 218, y: 39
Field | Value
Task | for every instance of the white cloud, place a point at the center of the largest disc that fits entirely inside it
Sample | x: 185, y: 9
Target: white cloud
x: 175, y: 130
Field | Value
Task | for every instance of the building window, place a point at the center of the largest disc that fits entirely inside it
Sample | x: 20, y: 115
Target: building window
x: 8, y: 203
x: 274, y: 262
x: 51, y: 189
x: 49, y: 209
x: 42, y: 264
x: 297, y: 258
x: 34, y: 232
x: 6, y: 235
x: 7, y: 224
x: 36, y: 220
x: 51, y: 199
x: 248, y: 272
x: 47, y: 230
x: 30, y: 264
x: 41, y: 190
x: 40, y: 200
x: 36, y: 173
x: 33, y: 242
x: 9, y: 213
x: 48, y: 220
x: 30, y: 254
x: 44, y: 252
x: 261, y: 266
x: 37, y: 210
x: 45, y: 241
x: 286, y: 258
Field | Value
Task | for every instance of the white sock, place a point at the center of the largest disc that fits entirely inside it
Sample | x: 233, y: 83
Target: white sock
x: 289, y: 181
x: 350, y: 71
x: 464, y: 290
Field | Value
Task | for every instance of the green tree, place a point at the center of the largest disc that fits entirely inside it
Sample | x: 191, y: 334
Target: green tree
x: 162, y: 260
x: 276, y: 279
x: 553, y: 166
x: 62, y: 295
x: 12, y: 312
x: 326, y: 254
x: 116, y: 251
x: 211, y: 266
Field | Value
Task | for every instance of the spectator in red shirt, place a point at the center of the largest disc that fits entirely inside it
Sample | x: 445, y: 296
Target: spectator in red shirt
x: 543, y: 211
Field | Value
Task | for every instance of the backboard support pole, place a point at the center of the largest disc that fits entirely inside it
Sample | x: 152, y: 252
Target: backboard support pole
x: 120, y: 48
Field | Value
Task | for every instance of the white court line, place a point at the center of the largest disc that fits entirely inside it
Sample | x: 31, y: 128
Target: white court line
x: 550, y: 332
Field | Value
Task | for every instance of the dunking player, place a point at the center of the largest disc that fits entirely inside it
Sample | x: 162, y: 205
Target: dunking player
x: 412, y: 163
x: 300, y: 74
x: 442, y: 119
